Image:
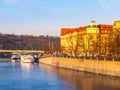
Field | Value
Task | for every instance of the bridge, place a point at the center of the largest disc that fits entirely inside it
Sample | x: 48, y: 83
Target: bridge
x: 23, y: 51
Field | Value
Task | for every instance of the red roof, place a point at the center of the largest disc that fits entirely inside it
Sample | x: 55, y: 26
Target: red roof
x: 71, y: 30
x: 105, y: 26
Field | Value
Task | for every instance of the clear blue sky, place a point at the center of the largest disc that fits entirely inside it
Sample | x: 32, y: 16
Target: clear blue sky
x: 47, y: 17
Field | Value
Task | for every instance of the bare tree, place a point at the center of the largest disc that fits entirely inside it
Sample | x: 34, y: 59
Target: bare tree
x: 71, y: 44
x: 115, y: 42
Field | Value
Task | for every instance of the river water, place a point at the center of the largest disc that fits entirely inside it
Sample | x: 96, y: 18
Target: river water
x: 17, y: 76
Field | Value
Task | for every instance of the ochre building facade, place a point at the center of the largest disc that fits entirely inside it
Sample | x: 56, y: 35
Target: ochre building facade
x: 85, y: 40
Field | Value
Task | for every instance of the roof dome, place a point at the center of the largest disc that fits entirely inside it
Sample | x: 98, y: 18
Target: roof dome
x: 92, y: 24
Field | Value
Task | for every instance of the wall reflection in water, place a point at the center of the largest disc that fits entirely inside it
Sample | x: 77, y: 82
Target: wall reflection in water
x: 84, y: 80
x: 26, y: 67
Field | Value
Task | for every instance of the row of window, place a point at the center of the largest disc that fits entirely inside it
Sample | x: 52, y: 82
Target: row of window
x: 105, y: 31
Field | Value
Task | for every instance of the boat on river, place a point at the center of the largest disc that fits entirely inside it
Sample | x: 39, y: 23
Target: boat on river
x: 27, y: 58
x: 15, y: 57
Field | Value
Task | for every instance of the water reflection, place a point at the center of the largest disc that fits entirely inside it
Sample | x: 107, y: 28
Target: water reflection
x: 84, y: 81
x: 25, y: 76
x: 26, y: 68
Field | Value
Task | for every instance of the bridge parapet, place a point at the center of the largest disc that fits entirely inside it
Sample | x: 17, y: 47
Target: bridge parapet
x: 22, y: 51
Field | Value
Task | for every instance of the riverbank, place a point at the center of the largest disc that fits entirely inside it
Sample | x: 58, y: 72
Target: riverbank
x: 5, y: 59
x: 95, y: 66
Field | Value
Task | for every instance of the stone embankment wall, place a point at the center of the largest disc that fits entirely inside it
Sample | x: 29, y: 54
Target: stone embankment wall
x: 95, y: 66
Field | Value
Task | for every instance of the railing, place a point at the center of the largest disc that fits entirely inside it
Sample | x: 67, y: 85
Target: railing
x: 22, y: 51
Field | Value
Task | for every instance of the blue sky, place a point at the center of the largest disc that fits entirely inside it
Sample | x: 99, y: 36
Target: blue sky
x: 47, y: 17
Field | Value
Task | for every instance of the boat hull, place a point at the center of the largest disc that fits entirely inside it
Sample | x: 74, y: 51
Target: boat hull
x: 27, y: 59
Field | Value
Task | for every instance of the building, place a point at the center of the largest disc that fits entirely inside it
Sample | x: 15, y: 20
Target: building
x: 69, y: 39
x: 116, y: 24
x: 104, y: 38
x: 90, y: 39
x: 115, y: 39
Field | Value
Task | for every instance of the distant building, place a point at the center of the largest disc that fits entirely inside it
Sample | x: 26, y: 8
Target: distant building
x: 90, y: 39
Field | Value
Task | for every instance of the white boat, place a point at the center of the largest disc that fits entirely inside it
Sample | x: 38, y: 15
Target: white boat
x: 27, y: 59
x: 15, y: 57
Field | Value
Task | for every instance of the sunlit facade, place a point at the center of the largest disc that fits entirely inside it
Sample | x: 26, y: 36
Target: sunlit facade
x: 116, y: 24
x: 69, y: 39
x: 90, y: 39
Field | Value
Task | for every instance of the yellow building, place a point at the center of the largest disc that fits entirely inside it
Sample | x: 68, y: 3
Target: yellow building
x: 116, y: 24
x: 86, y: 39
x: 68, y: 39
x: 91, y: 35
x: 104, y: 38
x: 115, y: 39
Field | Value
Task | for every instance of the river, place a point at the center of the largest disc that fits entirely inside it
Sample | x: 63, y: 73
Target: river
x: 17, y: 76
